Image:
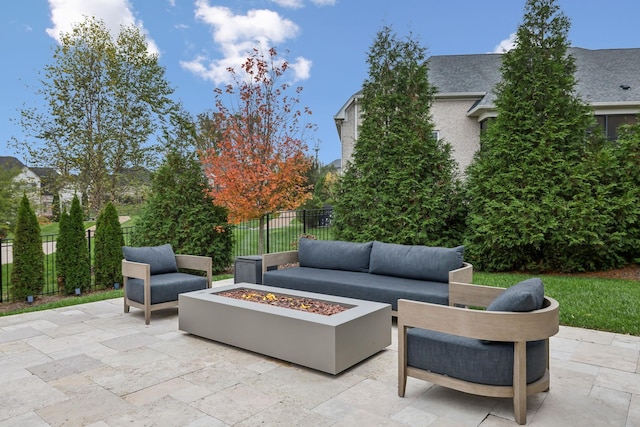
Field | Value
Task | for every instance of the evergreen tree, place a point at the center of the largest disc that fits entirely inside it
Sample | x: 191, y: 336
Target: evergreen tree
x: 536, y: 186
x: 180, y: 211
x: 27, y: 276
x: 55, y: 208
x: 74, y: 266
x: 401, y: 186
x: 62, y: 248
x: 628, y: 190
x: 108, y: 248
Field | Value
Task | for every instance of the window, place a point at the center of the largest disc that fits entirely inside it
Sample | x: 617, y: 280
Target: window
x: 610, y: 123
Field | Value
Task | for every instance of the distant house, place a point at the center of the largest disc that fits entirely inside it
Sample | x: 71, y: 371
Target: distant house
x: 40, y: 184
x: 607, y: 79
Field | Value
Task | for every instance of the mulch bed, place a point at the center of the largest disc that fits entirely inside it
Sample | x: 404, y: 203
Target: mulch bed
x: 287, y: 301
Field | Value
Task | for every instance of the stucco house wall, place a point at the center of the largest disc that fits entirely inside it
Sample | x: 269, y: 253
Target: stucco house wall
x: 456, y: 128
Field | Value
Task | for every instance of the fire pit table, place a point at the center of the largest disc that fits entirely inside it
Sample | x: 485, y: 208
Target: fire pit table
x: 327, y: 343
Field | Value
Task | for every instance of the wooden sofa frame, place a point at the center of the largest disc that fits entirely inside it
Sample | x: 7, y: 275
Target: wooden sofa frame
x: 463, y: 274
x: 457, y: 319
x: 142, y: 271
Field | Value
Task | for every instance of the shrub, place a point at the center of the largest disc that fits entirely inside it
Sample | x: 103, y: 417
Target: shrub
x: 27, y: 276
x: 180, y: 212
x: 108, y: 244
x: 74, y: 267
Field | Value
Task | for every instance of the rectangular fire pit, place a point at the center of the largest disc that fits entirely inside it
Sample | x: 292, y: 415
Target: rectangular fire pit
x: 326, y: 343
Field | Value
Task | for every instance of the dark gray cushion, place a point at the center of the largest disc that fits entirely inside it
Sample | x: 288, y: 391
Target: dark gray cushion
x: 351, y: 284
x: 471, y: 360
x: 165, y: 287
x: 334, y: 255
x: 527, y: 295
x: 415, y: 262
x: 161, y: 259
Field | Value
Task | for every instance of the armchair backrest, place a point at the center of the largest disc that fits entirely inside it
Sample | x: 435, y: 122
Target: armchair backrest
x: 161, y: 259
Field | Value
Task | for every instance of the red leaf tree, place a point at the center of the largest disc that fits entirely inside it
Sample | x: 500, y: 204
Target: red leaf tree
x: 257, y: 163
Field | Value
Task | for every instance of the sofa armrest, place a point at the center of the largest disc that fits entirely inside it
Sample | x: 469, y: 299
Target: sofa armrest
x: 466, y: 294
x: 195, y: 262
x: 278, y: 258
x: 463, y: 274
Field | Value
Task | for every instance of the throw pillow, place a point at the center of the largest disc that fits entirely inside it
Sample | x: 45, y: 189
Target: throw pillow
x: 161, y: 259
x: 527, y: 295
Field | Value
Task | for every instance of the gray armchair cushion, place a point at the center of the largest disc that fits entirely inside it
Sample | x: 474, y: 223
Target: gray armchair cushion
x: 470, y: 359
x: 165, y: 287
x: 334, y: 255
x: 161, y: 259
x: 527, y: 295
x: 415, y: 262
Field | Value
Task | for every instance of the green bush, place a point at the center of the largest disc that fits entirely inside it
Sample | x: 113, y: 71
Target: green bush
x: 544, y: 188
x: 27, y: 276
x: 179, y: 211
x: 108, y: 248
x: 402, y: 185
x: 72, y: 254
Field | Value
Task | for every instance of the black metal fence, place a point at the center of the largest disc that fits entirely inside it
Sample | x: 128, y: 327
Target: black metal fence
x: 282, y: 231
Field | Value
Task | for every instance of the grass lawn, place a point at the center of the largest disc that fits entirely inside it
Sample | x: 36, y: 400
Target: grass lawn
x: 586, y: 302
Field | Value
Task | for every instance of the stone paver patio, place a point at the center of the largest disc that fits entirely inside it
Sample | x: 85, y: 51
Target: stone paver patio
x: 93, y: 365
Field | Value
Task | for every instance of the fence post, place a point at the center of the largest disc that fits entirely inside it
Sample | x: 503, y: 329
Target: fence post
x: 267, y: 236
x: 304, y: 221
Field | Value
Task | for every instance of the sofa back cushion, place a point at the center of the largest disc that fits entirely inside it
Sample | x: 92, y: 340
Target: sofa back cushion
x: 415, y: 262
x: 334, y: 255
x: 161, y: 259
x: 527, y: 295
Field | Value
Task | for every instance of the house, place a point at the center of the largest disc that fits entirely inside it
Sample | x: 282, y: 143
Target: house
x: 39, y: 184
x: 607, y: 79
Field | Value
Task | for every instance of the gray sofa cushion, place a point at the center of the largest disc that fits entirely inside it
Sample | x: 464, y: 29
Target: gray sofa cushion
x: 527, y: 295
x: 471, y: 360
x: 350, y: 284
x: 161, y: 259
x: 334, y: 255
x: 415, y: 262
x: 165, y: 287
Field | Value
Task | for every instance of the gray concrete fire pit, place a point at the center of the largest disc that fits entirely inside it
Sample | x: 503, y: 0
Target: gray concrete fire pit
x: 327, y: 343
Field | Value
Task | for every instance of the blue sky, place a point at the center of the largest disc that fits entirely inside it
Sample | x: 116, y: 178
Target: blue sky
x: 327, y: 41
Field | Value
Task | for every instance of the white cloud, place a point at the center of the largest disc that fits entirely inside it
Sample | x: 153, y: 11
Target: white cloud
x: 291, y: 4
x: 297, y: 4
x: 506, y: 45
x: 301, y: 68
x: 236, y: 35
x: 114, y: 13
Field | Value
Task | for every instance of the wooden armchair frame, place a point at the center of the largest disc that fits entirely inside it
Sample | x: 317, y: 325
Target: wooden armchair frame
x: 456, y: 319
x: 142, y: 271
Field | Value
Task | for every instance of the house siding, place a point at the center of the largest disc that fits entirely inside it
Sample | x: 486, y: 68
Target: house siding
x: 456, y: 128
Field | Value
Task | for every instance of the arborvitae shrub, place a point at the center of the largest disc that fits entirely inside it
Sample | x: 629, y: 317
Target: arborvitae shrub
x: 27, y: 276
x: 74, y: 258
x: 179, y: 211
x: 108, y: 244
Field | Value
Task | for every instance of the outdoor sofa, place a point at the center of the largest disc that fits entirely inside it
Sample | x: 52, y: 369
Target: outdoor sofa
x: 373, y: 271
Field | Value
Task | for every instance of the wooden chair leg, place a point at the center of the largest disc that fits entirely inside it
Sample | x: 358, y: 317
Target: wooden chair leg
x: 402, y: 360
x: 520, y: 381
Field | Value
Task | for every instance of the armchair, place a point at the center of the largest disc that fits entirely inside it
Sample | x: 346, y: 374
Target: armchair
x: 499, y: 352
x: 152, y: 280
